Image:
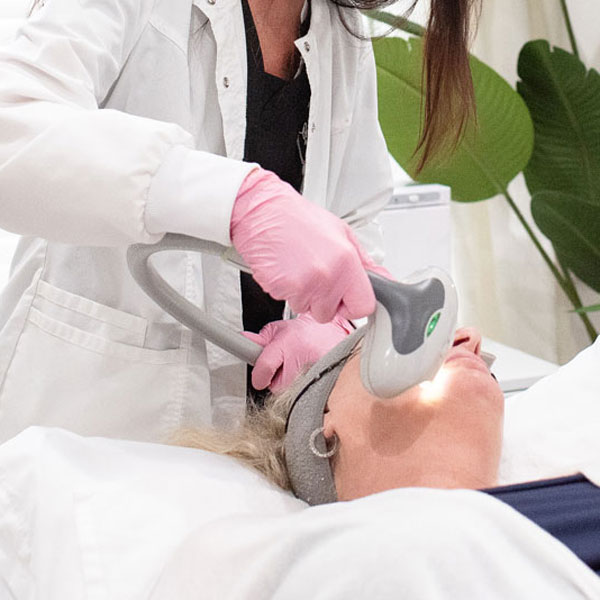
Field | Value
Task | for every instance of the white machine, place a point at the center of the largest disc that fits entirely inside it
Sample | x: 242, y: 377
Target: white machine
x: 417, y: 216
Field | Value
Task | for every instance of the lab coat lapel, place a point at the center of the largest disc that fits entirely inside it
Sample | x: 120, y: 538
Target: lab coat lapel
x: 316, y: 50
x: 227, y: 23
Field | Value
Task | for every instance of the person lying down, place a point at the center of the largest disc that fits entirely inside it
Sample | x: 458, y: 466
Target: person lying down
x: 327, y: 439
x: 82, y: 515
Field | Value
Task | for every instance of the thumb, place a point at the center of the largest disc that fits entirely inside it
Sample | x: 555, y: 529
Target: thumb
x: 266, y: 335
x: 268, y: 364
x: 381, y: 270
x: 257, y: 338
x: 367, y: 260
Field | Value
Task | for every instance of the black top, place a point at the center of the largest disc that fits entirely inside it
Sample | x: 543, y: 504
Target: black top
x: 276, y: 128
x: 276, y: 112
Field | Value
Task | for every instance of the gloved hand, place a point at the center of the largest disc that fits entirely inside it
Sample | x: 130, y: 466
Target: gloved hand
x: 291, y: 345
x: 300, y: 252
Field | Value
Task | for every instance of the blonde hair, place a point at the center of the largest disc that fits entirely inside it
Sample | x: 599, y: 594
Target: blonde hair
x: 257, y: 443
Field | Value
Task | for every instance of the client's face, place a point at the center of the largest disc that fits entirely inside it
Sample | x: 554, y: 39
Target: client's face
x: 446, y: 433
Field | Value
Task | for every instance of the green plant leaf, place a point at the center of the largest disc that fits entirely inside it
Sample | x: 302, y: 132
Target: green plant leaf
x: 395, y: 21
x: 564, y: 101
x: 588, y: 309
x: 489, y: 156
x: 573, y: 226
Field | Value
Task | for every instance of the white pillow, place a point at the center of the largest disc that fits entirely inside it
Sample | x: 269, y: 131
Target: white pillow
x: 80, y: 514
x: 553, y: 428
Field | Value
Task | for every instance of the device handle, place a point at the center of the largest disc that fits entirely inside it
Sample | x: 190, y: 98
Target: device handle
x: 153, y: 284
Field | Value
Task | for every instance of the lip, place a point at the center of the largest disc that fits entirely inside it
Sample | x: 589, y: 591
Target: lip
x: 464, y: 356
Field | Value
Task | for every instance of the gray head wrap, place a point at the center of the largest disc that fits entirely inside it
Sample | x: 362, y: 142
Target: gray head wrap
x: 310, y: 475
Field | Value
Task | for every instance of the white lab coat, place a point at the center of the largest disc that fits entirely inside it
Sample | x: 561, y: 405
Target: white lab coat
x: 81, y: 346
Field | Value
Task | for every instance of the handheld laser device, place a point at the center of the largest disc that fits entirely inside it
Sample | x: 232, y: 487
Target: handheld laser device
x: 407, y: 336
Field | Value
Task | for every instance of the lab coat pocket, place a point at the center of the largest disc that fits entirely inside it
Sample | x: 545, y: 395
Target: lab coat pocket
x: 82, y: 366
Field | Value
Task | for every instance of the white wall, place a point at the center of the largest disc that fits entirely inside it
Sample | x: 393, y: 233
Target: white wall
x: 509, y: 291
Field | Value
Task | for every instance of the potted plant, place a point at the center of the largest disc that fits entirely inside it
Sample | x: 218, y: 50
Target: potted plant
x: 548, y: 128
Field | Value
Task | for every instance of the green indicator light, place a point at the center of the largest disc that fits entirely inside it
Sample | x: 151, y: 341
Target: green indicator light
x: 432, y: 323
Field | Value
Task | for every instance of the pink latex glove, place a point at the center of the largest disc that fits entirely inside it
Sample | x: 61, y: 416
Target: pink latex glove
x: 379, y: 269
x: 291, y: 345
x: 300, y: 252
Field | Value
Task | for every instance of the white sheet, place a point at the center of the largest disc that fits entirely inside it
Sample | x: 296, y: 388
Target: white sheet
x: 414, y: 544
x: 553, y: 428
x: 95, y: 518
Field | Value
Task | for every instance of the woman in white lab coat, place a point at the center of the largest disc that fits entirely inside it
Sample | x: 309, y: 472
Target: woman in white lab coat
x: 120, y: 121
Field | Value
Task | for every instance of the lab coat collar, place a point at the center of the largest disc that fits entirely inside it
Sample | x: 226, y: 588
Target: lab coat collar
x: 227, y: 23
x: 316, y: 51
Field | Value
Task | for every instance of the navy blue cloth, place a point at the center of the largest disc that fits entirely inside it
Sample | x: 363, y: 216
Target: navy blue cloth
x: 567, y: 507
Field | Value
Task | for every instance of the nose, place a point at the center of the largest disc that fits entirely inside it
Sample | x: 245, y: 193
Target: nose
x: 469, y: 338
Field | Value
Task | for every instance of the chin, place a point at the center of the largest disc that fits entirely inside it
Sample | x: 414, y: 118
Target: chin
x: 474, y: 387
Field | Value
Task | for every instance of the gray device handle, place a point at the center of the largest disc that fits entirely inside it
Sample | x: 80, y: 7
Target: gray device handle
x: 148, y: 278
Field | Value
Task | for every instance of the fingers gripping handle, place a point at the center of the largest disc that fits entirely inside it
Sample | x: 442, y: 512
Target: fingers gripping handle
x: 148, y: 278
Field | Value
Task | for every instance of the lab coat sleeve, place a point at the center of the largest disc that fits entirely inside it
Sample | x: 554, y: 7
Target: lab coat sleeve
x: 186, y: 176
x: 69, y: 171
x: 366, y: 183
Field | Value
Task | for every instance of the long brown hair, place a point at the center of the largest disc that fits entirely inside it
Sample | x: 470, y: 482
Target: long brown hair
x: 449, y: 98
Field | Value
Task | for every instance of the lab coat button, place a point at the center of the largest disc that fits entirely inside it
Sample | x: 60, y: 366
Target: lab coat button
x: 211, y: 1
x: 313, y: 128
x: 225, y: 80
x: 307, y: 46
